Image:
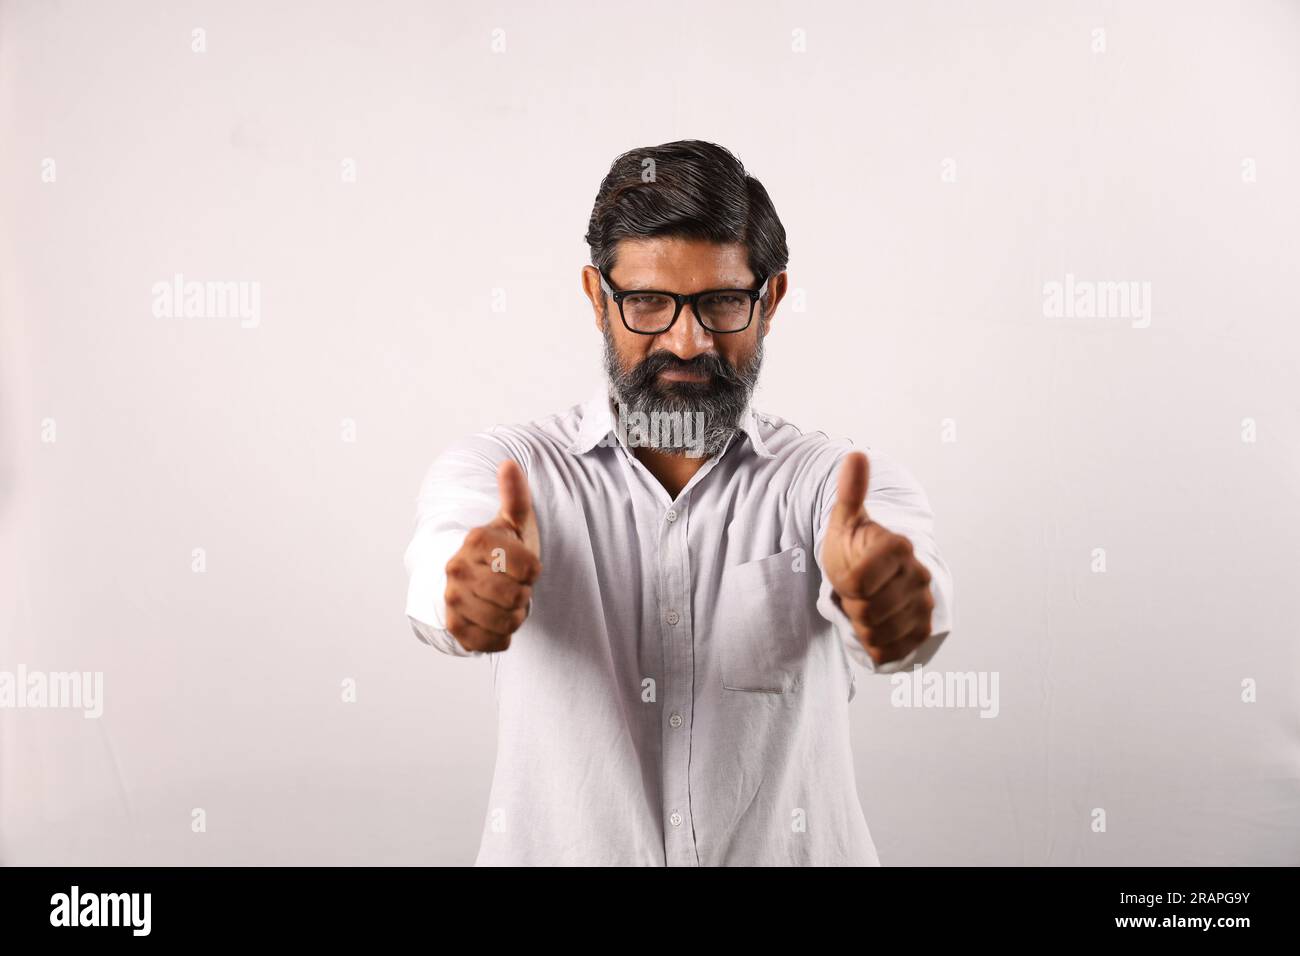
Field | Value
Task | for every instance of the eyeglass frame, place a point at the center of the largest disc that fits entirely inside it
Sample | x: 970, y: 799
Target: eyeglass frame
x: 681, y: 298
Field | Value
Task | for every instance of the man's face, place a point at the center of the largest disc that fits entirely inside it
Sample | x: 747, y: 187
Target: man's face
x: 687, y: 369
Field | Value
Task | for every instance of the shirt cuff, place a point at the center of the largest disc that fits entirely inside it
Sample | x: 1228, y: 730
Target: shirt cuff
x: 441, y: 638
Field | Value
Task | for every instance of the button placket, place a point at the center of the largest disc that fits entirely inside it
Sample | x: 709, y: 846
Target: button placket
x: 674, y: 615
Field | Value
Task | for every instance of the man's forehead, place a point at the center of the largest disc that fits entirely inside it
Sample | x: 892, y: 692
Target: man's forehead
x: 682, y: 261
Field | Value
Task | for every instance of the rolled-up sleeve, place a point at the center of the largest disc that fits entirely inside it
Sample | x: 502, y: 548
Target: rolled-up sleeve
x: 459, y: 492
x: 895, y: 500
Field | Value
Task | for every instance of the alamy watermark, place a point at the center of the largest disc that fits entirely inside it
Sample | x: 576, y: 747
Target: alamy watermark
x: 1088, y: 299
x: 671, y: 431
x: 190, y: 299
x: 75, y: 908
x: 921, y: 688
x: 57, y: 690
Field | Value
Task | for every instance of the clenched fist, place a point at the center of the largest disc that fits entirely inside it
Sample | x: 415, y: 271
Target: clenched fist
x: 490, y: 579
x: 882, y: 588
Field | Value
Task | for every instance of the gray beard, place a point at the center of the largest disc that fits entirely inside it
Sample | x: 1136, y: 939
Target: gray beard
x: 705, y: 417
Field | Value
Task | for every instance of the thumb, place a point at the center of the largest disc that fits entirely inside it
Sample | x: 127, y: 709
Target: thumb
x: 516, y: 500
x: 851, y: 494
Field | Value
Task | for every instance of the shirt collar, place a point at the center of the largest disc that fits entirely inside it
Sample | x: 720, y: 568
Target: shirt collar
x: 598, y: 425
x: 597, y: 422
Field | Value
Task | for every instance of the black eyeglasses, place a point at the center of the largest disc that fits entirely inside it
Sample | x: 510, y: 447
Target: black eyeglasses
x: 653, y: 312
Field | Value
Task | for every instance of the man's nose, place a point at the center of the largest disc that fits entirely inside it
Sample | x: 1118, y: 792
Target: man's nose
x: 687, y: 338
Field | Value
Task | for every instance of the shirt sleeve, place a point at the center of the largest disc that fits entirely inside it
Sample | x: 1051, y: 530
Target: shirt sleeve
x: 896, y: 500
x: 459, y: 492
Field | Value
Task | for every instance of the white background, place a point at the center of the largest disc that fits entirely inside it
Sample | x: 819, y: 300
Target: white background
x: 476, y: 171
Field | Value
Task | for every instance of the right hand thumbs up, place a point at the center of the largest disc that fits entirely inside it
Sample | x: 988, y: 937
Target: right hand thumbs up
x: 490, y: 579
x: 517, y: 504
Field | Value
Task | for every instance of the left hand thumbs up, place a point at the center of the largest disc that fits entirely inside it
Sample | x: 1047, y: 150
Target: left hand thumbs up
x: 878, y: 582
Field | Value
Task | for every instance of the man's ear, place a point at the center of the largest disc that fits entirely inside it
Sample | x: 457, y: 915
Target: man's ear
x: 777, y: 287
x: 596, y: 295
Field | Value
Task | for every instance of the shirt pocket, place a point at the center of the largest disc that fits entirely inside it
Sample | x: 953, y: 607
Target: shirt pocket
x: 764, y: 622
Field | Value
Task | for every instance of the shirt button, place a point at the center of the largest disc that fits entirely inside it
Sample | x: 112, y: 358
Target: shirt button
x: 675, y: 819
x: 675, y: 720
x: 672, y: 617
x: 671, y: 516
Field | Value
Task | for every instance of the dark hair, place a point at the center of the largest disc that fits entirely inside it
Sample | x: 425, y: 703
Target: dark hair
x: 689, y: 189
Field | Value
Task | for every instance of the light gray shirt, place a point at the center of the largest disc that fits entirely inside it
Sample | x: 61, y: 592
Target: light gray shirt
x: 679, y: 694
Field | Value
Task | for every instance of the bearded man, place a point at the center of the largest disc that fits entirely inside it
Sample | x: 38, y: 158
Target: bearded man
x: 675, y: 615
